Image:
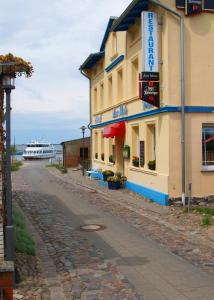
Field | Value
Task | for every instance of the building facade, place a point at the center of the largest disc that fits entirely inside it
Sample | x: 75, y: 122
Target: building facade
x: 143, y: 141
x: 73, y: 152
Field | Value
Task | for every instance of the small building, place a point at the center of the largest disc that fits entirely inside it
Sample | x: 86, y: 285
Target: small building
x: 150, y: 118
x: 73, y: 152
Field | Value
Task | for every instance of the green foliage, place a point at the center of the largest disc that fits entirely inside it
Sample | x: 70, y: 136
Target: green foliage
x: 13, y: 150
x: 206, y: 220
x: 61, y: 168
x: 152, y: 164
x: 205, y: 210
x: 16, y: 164
x: 23, y: 240
x: 108, y: 173
x: 20, y: 67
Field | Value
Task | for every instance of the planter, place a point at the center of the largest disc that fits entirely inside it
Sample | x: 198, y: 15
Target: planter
x: 152, y: 168
x: 114, y: 185
x: 135, y: 164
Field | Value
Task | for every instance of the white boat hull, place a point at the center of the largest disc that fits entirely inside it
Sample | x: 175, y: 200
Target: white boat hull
x: 38, y: 156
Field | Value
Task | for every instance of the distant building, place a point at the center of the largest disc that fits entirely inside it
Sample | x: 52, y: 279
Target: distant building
x: 136, y: 99
x: 73, y: 152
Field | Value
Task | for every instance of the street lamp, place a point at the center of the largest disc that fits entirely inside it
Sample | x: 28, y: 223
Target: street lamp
x: 7, y: 77
x: 83, y: 128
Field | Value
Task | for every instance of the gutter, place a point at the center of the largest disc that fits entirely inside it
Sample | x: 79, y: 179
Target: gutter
x: 165, y: 7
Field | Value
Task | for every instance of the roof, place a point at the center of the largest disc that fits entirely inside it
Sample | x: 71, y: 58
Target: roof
x: 108, y: 29
x: 87, y: 138
x: 91, y: 60
x: 129, y: 15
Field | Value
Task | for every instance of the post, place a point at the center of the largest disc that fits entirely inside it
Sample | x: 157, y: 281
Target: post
x: 83, y: 152
x: 9, y: 244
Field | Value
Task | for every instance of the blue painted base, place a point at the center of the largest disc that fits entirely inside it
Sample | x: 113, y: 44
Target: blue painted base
x: 151, y: 194
x: 103, y: 183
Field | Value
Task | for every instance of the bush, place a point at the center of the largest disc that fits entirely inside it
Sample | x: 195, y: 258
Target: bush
x: 111, y: 159
x: 16, y: 164
x: 206, y: 221
x: 108, y: 173
x: 23, y: 240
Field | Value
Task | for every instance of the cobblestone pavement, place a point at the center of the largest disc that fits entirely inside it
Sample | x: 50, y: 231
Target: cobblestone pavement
x: 179, y: 232
x: 72, y: 267
x: 72, y: 262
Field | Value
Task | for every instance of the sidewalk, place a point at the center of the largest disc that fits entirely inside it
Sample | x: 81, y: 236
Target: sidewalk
x: 178, y: 232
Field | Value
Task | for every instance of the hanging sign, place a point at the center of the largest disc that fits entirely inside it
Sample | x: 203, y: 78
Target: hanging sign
x: 149, y: 90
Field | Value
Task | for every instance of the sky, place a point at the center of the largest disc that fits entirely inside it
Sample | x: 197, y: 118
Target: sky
x: 56, y: 36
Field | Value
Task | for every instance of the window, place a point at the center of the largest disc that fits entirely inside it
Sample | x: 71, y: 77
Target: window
x: 102, y: 146
x: 101, y: 96
x: 134, y: 74
x: 95, y: 99
x: 120, y: 85
x: 208, y: 147
x: 151, y: 146
x: 96, y: 145
x: 110, y: 91
x: 135, y: 146
x: 114, y: 43
x: 111, y: 150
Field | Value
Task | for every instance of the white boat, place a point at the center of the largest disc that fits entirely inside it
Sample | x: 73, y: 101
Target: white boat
x: 39, y: 150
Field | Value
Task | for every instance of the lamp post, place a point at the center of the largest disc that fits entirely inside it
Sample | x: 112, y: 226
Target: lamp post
x: 83, y: 128
x: 8, y: 84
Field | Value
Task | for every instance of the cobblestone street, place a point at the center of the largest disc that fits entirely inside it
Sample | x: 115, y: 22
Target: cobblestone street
x: 123, y: 261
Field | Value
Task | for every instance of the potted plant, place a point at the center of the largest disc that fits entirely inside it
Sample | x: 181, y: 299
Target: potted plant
x: 111, y: 159
x: 96, y: 155
x: 113, y: 182
x: 152, y: 164
x: 102, y: 156
x: 116, y: 182
x: 106, y: 174
x: 135, y: 161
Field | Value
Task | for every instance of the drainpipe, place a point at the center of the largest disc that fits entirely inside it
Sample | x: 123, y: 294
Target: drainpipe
x: 91, y: 136
x: 165, y: 7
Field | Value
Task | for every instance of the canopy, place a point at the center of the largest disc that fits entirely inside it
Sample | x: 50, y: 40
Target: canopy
x: 116, y: 129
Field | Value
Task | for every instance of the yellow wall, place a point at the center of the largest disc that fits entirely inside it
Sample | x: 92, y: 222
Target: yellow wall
x: 199, y: 74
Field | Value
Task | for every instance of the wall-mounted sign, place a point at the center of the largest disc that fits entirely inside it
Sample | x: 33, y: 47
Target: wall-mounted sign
x: 150, y: 41
x: 98, y: 119
x: 142, y: 153
x: 120, y: 111
x: 149, y: 90
x: 195, y: 6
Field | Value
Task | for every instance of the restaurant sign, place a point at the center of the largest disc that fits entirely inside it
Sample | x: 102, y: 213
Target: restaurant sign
x: 149, y: 78
x: 119, y: 111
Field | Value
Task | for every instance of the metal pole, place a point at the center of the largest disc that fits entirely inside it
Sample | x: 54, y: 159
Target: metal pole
x: 9, y: 244
x: 155, y: 2
x: 83, y: 154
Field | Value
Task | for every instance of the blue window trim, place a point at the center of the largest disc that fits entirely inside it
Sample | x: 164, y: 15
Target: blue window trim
x: 114, y: 63
x: 188, y: 109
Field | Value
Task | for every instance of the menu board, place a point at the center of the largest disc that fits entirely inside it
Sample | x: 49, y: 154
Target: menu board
x: 142, y: 153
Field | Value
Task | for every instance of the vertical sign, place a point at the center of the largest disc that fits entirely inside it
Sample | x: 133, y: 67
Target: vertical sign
x: 149, y: 78
x: 150, y: 41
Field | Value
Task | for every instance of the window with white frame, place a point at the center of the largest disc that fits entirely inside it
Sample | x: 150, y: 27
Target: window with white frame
x: 208, y: 147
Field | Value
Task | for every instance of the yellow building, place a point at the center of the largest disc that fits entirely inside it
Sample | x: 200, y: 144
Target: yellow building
x: 163, y: 163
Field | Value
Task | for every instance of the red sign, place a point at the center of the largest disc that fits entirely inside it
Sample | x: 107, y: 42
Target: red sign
x: 149, y: 90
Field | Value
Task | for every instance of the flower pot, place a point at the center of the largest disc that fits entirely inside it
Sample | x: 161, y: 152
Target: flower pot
x: 114, y: 185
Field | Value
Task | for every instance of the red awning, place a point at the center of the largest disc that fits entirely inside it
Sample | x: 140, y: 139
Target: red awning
x: 117, y: 129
